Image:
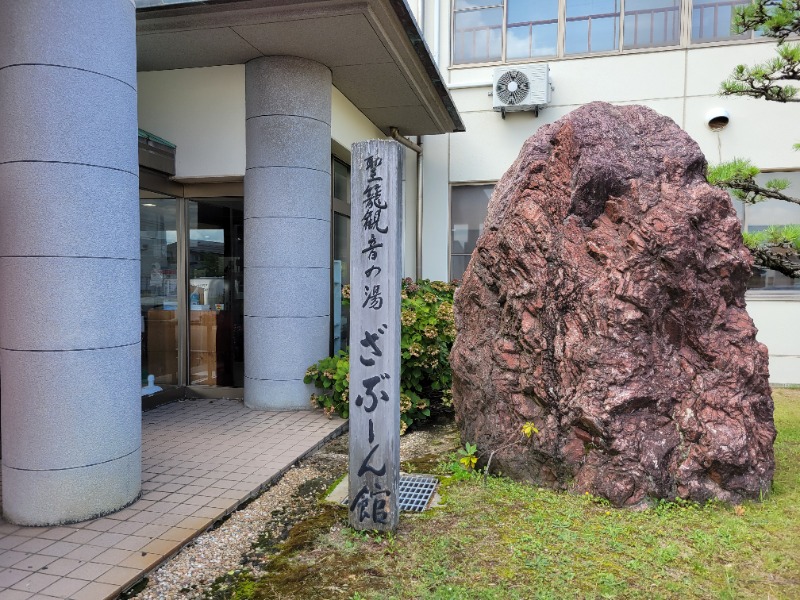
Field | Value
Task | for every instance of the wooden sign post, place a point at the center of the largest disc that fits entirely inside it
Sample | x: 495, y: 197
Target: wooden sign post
x: 375, y: 278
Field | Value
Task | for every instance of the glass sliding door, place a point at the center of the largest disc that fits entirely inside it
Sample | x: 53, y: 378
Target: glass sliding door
x: 215, y: 291
x: 340, y: 255
x: 160, y: 287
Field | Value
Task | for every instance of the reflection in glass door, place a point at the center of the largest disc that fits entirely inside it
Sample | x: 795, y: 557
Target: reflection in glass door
x: 216, y: 292
x: 159, y: 287
x: 340, y: 255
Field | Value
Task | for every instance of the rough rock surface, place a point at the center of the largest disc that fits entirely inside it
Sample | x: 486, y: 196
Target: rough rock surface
x: 605, y: 303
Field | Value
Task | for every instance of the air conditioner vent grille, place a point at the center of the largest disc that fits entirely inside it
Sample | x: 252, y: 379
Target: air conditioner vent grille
x: 513, y: 87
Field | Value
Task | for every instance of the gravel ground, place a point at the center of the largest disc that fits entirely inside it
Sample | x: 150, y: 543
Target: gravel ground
x: 248, y: 537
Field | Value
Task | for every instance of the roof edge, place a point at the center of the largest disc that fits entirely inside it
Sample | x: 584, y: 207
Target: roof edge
x: 417, y: 41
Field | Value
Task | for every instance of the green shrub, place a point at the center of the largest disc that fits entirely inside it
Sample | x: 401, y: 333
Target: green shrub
x: 428, y: 332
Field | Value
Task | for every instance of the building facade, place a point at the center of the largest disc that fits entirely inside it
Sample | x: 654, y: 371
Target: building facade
x: 670, y: 55
x: 196, y: 257
x: 174, y: 190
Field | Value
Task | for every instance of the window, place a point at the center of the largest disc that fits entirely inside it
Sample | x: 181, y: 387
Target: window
x: 496, y: 30
x: 532, y: 29
x: 592, y: 26
x: 712, y: 20
x: 340, y: 254
x: 763, y: 215
x: 468, y: 208
x: 478, y: 29
x: 652, y: 23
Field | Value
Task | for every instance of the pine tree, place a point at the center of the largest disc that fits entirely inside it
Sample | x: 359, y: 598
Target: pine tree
x: 779, y: 249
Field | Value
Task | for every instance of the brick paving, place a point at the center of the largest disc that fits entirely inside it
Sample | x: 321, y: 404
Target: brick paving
x: 201, y: 459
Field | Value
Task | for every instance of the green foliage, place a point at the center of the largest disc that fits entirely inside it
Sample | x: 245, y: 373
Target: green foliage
x: 332, y: 376
x: 753, y: 239
x: 773, y: 235
x: 768, y: 80
x: 765, y: 80
x: 791, y: 233
x: 468, y: 458
x: 428, y: 333
x: 771, y: 80
x: 738, y: 175
x: 738, y: 168
x: 773, y: 19
x: 460, y: 465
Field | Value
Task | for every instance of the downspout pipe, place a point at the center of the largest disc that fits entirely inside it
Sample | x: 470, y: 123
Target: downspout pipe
x: 396, y: 135
x: 419, y: 209
x: 416, y: 147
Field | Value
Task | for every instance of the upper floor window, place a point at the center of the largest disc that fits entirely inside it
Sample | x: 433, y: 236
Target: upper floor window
x: 528, y: 29
x: 532, y: 29
x: 651, y: 23
x: 496, y: 30
x: 478, y: 28
x: 712, y: 20
x: 592, y: 26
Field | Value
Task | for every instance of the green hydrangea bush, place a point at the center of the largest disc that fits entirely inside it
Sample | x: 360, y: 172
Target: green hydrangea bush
x: 428, y: 332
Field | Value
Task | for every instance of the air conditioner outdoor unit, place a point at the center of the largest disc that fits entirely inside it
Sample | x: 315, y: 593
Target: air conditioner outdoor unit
x: 521, y: 88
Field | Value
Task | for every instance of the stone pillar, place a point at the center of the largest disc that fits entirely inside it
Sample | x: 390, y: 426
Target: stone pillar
x: 69, y: 260
x: 287, y: 208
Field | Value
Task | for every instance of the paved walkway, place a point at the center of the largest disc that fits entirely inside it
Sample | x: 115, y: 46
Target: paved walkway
x: 201, y: 460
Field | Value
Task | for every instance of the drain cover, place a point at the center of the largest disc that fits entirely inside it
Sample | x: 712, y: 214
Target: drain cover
x: 415, y: 492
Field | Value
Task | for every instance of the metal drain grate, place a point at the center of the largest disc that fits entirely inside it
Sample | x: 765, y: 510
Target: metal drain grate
x: 415, y: 492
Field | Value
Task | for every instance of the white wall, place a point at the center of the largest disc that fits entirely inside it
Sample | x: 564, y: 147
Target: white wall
x: 778, y: 326
x: 202, y: 112
x: 349, y: 125
x: 681, y: 84
x: 436, y: 208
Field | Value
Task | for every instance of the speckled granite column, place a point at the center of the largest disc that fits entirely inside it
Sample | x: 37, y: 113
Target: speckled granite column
x: 69, y: 260
x: 287, y: 206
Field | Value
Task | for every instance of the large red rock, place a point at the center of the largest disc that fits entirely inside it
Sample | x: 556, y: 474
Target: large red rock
x: 605, y: 303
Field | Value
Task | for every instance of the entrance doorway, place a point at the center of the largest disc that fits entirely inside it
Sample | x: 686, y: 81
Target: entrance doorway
x: 216, y: 292
x: 192, y: 291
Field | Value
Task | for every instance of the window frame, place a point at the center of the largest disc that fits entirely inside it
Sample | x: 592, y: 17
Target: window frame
x: 685, y: 41
x: 502, y: 4
x: 342, y: 208
x: 461, y: 184
x: 770, y: 292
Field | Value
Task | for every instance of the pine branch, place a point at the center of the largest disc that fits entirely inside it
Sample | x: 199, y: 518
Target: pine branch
x: 738, y: 176
x: 778, y: 259
x: 767, y: 80
x: 756, y: 193
x: 777, y: 20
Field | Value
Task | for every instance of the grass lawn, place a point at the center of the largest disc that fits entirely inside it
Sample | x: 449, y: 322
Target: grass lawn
x: 499, y: 539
